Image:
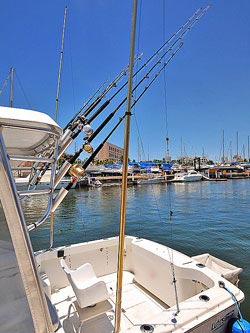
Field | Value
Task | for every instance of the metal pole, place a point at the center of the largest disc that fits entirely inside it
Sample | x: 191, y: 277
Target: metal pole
x: 248, y: 148
x: 11, y: 86
x: 60, y: 65
x: 125, y: 177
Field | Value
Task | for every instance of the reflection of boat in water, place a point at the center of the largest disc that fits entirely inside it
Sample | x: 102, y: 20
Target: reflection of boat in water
x: 153, y: 180
x: 188, y: 176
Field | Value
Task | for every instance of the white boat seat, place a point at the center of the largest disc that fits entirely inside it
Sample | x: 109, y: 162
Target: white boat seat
x: 88, y: 289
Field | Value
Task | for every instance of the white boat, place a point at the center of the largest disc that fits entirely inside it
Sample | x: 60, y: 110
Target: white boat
x: 77, y: 287
x: 188, y: 176
x: 92, y: 182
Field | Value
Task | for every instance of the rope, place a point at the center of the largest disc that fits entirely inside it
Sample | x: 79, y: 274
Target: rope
x: 5, y: 82
x: 24, y: 94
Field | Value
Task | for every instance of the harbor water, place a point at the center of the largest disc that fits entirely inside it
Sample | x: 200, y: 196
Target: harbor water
x: 207, y: 217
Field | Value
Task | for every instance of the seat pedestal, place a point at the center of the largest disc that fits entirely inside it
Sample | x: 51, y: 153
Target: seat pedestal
x: 90, y: 312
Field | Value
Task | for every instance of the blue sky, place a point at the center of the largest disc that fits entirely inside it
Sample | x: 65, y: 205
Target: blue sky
x: 206, y: 86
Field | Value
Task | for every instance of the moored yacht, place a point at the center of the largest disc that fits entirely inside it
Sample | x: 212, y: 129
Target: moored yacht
x: 187, y: 176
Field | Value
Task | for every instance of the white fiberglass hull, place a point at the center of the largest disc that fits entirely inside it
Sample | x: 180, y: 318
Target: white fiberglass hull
x: 149, y: 296
x: 192, y: 178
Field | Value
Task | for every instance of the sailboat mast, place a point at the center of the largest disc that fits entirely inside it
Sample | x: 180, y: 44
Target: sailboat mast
x: 60, y: 65
x: 223, y: 147
x: 125, y: 175
x: 248, y: 148
x: 11, y: 86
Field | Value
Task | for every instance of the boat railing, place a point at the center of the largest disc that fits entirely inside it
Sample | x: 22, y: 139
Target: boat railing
x: 44, y: 157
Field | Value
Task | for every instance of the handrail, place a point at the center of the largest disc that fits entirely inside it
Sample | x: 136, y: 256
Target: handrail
x: 34, y: 192
x: 31, y: 159
x: 50, y: 200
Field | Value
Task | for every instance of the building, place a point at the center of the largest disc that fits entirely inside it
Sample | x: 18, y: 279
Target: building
x: 110, y: 152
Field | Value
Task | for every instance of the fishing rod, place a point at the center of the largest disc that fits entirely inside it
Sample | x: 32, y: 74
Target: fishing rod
x: 94, y: 104
x: 110, y: 116
x: 85, y: 104
x: 77, y: 171
x: 87, y: 146
x: 146, y: 63
x: 71, y: 124
x: 146, y: 75
x: 80, y: 121
x: 68, y: 136
x: 80, y: 125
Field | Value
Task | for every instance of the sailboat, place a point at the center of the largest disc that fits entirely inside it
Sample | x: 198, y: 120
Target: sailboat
x: 119, y: 284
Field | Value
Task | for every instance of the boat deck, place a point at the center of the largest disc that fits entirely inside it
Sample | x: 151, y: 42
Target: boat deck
x: 137, y: 304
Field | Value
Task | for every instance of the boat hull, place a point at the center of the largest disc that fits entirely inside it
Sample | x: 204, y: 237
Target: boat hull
x: 149, y: 295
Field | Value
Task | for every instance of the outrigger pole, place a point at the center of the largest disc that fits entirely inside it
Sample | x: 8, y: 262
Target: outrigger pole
x: 118, y: 303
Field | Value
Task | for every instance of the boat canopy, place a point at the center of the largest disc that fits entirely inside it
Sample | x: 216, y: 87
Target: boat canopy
x: 27, y: 132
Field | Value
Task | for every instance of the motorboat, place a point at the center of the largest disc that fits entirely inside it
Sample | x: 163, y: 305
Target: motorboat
x: 187, y: 176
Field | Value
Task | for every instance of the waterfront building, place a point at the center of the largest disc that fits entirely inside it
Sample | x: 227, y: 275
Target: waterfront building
x: 110, y: 152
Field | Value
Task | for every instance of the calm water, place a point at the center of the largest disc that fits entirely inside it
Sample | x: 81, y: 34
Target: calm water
x: 207, y: 217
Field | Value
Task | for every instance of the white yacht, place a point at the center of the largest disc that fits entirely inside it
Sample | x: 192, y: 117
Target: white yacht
x: 187, y: 176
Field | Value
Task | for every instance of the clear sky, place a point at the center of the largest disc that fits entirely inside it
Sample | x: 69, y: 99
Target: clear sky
x: 205, y: 90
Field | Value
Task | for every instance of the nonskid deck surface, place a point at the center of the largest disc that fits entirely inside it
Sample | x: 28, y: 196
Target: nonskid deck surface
x: 138, y: 307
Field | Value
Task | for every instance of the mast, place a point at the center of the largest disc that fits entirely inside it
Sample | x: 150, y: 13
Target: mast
x: 248, y: 148
x: 11, y: 86
x: 237, y: 145
x: 139, y: 149
x: 60, y: 65
x: 125, y: 176
x: 223, y: 148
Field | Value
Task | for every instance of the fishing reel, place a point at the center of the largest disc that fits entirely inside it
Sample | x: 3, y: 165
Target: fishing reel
x: 76, y: 171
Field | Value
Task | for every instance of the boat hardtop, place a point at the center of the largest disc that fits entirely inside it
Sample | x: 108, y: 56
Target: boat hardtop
x: 38, y: 129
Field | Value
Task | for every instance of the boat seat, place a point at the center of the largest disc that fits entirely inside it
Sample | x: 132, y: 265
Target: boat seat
x: 87, y: 287
x: 91, y: 292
